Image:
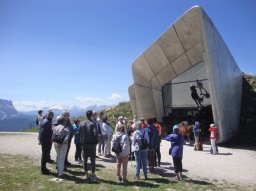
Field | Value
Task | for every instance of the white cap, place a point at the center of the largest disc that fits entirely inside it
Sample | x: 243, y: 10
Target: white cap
x: 212, y: 125
x: 120, y: 118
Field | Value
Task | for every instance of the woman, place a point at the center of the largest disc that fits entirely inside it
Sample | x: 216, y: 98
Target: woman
x: 62, y: 131
x: 122, y: 157
x: 176, y: 150
x: 107, y: 131
x: 138, y: 149
x: 78, y: 152
x: 129, y: 133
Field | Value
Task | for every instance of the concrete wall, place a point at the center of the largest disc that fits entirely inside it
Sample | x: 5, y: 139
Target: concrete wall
x: 192, y: 39
x: 226, y: 81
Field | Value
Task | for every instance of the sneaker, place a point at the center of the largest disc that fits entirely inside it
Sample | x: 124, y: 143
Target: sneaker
x: 107, y: 156
x: 119, y: 180
x: 176, y: 178
x: 94, y: 178
x: 125, y: 181
x: 97, y: 157
x: 61, y: 176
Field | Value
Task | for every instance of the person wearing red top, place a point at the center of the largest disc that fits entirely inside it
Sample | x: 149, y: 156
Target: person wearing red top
x: 213, y: 135
x: 143, y: 120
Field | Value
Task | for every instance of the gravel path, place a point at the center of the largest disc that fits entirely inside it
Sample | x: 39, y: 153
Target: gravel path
x: 237, y: 166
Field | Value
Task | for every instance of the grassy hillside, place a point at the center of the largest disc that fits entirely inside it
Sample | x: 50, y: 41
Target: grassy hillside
x: 122, y: 109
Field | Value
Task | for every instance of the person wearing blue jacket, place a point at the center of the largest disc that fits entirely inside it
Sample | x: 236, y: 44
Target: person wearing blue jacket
x: 196, y: 131
x: 153, y: 136
x: 78, y: 152
x: 176, y: 150
x: 45, y: 140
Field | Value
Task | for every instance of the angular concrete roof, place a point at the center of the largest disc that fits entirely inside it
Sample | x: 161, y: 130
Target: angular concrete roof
x: 192, y: 39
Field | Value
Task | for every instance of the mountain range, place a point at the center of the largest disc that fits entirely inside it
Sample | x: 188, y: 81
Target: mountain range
x: 13, y: 120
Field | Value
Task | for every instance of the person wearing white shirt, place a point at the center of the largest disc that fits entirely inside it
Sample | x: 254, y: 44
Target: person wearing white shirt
x: 107, y: 131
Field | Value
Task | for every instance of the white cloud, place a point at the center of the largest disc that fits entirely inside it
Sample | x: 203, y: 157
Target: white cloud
x: 80, y: 101
x: 89, y: 99
x: 32, y: 106
x: 115, y: 96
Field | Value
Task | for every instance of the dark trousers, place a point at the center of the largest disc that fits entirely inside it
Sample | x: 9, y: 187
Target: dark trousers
x: 46, y: 150
x: 89, y: 150
x: 158, y: 153
x: 78, y: 152
x: 69, y: 143
x: 151, y: 159
x: 177, y: 161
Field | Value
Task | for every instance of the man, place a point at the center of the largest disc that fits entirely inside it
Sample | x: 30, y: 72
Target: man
x: 120, y: 122
x: 89, y: 137
x: 196, y: 131
x: 159, y: 130
x: 153, y: 136
x: 66, y: 115
x: 101, y: 144
x: 45, y: 140
x: 40, y: 117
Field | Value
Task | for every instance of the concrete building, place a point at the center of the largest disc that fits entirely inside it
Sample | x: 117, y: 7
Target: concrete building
x: 190, y: 55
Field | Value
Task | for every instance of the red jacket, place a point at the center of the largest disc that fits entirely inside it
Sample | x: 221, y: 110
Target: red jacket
x: 158, y: 127
x: 213, y: 132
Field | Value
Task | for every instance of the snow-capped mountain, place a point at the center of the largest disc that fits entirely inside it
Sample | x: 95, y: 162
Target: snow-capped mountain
x: 7, y: 109
x: 75, y: 111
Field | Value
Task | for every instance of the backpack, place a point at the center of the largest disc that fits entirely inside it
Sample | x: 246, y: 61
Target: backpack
x: 144, y: 143
x: 116, y: 146
x: 37, y: 122
x: 58, y: 138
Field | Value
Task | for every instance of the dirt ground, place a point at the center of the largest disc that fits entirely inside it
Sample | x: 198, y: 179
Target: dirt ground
x: 234, y: 166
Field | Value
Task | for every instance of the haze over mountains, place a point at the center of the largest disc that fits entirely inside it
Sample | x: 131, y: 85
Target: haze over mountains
x: 13, y: 120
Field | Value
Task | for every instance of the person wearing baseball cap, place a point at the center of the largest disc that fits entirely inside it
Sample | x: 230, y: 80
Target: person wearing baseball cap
x: 213, y: 135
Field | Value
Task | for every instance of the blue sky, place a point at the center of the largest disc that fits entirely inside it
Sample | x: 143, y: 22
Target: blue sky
x: 80, y: 52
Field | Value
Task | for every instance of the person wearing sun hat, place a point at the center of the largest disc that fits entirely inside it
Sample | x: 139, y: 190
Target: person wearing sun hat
x: 213, y: 135
x: 120, y: 123
x: 176, y: 150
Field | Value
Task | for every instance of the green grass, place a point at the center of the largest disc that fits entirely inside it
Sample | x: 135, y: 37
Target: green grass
x: 122, y: 109
x: 32, y: 130
x: 22, y: 173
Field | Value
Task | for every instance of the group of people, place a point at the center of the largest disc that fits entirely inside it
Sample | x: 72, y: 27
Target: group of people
x: 137, y: 140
